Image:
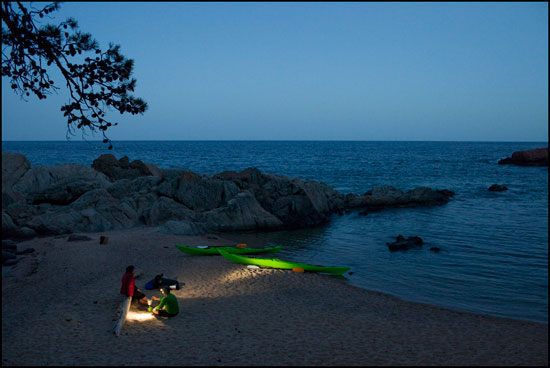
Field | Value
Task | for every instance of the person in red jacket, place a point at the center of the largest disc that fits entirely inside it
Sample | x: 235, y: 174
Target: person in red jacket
x: 129, y: 288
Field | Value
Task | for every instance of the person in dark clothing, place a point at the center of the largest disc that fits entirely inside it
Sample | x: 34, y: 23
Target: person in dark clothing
x: 129, y: 288
x: 159, y: 281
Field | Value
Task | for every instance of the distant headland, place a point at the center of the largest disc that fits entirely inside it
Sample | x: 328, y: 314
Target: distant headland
x: 534, y: 157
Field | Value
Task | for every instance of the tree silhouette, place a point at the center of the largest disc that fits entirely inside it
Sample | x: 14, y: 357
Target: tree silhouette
x: 95, y: 83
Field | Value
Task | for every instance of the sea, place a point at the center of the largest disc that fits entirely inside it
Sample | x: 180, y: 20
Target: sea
x: 493, y: 256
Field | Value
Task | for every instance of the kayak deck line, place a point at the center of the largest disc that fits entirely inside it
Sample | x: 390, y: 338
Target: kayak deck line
x: 282, y: 264
x: 194, y: 250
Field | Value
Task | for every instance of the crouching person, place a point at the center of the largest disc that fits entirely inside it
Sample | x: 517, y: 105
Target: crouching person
x: 168, y: 306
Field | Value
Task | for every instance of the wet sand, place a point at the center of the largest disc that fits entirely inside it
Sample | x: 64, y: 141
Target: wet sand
x: 60, y: 304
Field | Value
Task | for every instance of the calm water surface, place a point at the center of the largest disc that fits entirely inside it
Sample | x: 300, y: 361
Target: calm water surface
x: 494, y: 246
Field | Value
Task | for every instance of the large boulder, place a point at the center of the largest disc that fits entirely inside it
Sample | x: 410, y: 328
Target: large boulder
x: 296, y: 203
x: 165, y: 209
x: 324, y: 198
x: 22, y: 212
x: 9, y: 229
x: 243, y: 212
x: 14, y: 166
x: 59, y: 184
x: 63, y: 193
x: 288, y: 200
x: 123, y: 169
x: 9, y: 197
x: 110, y: 212
x: 94, y: 211
x: 56, y: 223
x: 534, y: 157
x: 199, y: 192
x: 24, y: 232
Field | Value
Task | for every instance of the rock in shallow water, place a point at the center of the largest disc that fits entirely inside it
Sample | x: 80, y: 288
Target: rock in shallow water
x: 497, y: 188
x: 401, y: 243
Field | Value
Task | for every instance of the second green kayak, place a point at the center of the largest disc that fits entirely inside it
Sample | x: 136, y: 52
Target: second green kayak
x: 213, y: 251
x: 279, y: 263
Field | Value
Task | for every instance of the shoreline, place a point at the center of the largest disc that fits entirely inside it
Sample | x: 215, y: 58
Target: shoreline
x: 235, y: 237
x: 60, y: 303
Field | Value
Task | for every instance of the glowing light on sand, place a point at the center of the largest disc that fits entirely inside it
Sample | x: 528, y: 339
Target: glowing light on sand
x: 237, y: 275
x: 139, y: 316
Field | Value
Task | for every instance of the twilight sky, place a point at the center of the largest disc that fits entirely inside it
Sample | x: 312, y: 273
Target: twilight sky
x: 315, y: 71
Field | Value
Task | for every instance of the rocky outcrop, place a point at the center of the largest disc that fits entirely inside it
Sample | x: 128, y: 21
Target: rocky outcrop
x: 116, y: 194
x: 534, y: 157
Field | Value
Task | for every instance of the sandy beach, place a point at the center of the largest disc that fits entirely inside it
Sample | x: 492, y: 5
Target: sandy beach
x: 60, y: 304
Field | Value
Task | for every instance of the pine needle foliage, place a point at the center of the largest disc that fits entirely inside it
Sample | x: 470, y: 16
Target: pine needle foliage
x: 96, y: 80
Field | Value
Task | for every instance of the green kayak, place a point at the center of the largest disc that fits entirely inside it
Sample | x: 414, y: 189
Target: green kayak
x: 279, y: 263
x: 213, y: 251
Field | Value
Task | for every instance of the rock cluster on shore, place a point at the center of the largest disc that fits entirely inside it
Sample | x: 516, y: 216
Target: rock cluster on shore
x: 118, y: 194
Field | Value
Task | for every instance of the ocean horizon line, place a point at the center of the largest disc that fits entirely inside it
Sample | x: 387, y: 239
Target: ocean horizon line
x: 274, y: 140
